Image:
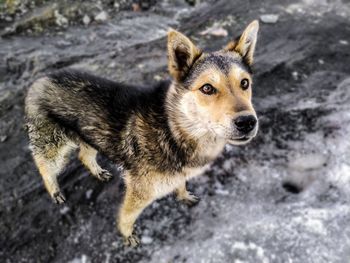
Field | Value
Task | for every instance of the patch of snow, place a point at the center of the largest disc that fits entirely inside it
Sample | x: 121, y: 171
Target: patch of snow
x: 86, y: 20
x: 83, y: 259
x: 305, y: 162
x: 146, y: 240
x: 101, y: 17
x: 269, y: 18
x: 64, y: 210
x: 88, y: 193
x: 222, y: 192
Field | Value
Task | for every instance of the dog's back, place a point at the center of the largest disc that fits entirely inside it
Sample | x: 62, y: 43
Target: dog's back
x: 89, y: 107
x: 162, y: 135
x: 68, y: 109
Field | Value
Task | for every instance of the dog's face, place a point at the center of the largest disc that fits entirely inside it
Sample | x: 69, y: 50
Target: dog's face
x: 215, y: 89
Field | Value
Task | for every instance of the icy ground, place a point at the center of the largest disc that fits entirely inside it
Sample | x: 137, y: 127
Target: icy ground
x: 283, y: 198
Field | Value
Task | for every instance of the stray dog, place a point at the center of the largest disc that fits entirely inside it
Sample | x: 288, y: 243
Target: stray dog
x: 162, y: 135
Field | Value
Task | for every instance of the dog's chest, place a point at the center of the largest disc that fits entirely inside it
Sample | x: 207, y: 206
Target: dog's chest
x: 210, y: 149
x: 168, y: 183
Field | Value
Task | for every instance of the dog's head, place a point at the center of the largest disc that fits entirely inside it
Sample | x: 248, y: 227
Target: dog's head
x: 214, y: 90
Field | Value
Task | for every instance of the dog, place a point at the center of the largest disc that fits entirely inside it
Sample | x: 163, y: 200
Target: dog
x: 162, y: 135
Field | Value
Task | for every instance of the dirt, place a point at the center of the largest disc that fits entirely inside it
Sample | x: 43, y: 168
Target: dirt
x: 282, y: 198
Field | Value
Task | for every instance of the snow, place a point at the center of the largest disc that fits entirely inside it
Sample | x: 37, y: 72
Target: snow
x: 282, y: 198
x: 264, y: 224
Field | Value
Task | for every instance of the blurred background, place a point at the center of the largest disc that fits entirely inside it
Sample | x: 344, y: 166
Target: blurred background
x: 282, y: 198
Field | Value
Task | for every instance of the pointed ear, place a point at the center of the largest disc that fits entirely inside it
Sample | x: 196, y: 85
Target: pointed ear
x: 245, y: 45
x: 182, y: 53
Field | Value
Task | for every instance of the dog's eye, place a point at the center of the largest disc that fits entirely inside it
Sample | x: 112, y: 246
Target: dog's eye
x: 244, y: 84
x: 208, y: 89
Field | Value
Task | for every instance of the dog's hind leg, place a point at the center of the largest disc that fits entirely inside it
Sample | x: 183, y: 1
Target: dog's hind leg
x: 87, y: 156
x: 49, y: 171
x: 50, y: 147
x: 50, y: 164
x: 50, y: 142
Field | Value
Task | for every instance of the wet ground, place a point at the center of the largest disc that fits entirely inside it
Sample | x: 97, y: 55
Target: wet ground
x: 283, y: 198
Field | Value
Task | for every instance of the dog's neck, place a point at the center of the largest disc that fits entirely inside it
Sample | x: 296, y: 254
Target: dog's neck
x: 188, y: 134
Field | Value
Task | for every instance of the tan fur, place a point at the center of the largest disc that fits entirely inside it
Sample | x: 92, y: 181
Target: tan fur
x: 139, y: 194
x: 142, y: 191
x: 87, y: 156
x: 50, y: 165
x: 183, y: 195
x: 180, y: 44
x: 216, y: 111
x: 48, y: 171
x: 160, y: 150
x: 245, y: 46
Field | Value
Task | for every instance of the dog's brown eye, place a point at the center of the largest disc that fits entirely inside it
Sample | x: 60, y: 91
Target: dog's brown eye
x: 244, y: 84
x: 208, y: 89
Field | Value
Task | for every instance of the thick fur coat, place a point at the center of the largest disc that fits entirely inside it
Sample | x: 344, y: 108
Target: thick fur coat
x: 162, y: 135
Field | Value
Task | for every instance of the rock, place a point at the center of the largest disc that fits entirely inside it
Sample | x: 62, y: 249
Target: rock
x: 308, y: 162
x: 8, y: 19
x: 88, y: 193
x: 146, y: 240
x: 101, y: 17
x: 222, y: 192
x: 60, y: 19
x: 136, y: 7
x: 157, y: 77
x: 269, y: 18
x: 215, y: 30
x: 63, y: 43
x: 64, y: 210
x: 113, y: 64
x: 115, y: 244
x: 343, y: 42
x: 3, y: 138
x: 83, y: 259
x: 116, y: 6
x: 295, y: 75
x: 86, y: 20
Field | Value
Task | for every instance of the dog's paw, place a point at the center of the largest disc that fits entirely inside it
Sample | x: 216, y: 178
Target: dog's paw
x: 131, y: 241
x: 58, y: 198
x: 104, y: 175
x: 190, y: 199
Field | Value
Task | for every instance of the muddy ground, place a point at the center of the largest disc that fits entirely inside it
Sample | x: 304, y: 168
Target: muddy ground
x: 282, y: 198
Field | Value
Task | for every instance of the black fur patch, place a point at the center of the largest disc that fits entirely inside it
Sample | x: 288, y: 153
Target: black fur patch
x: 117, y: 120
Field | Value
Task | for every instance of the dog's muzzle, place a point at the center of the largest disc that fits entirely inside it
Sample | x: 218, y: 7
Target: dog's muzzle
x: 245, y: 127
x: 245, y: 124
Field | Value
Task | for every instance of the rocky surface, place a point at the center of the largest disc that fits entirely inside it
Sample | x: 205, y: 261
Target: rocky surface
x: 283, y: 198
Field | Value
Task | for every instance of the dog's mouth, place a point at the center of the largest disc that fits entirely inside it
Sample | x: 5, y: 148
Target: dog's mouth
x: 240, y: 140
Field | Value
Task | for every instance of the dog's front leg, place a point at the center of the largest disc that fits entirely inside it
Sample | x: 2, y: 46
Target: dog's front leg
x: 183, y: 195
x: 135, y: 201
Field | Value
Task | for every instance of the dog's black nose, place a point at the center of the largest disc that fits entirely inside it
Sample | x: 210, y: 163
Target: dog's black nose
x: 245, y: 123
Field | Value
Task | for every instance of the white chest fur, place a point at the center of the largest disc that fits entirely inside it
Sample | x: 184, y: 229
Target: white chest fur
x: 168, y: 183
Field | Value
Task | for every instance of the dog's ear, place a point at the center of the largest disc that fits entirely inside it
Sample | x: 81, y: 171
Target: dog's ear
x: 245, y: 44
x: 182, y: 53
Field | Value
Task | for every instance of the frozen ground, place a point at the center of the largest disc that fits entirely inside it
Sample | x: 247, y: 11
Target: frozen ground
x: 283, y: 198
